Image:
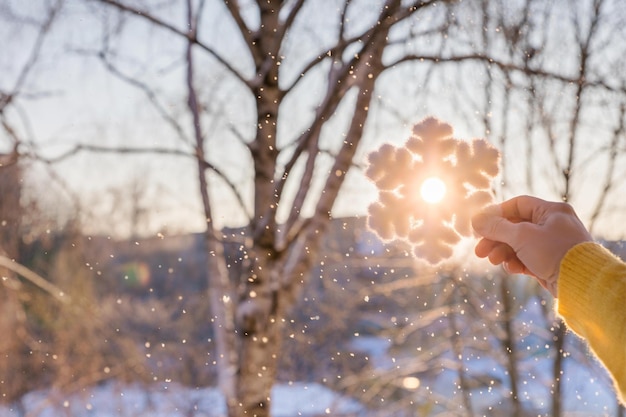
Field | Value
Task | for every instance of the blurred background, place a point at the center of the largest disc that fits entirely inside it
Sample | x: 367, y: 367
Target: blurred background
x: 183, y: 204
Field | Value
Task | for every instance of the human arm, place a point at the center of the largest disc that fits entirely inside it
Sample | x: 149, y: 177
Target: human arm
x: 548, y: 241
x: 592, y: 302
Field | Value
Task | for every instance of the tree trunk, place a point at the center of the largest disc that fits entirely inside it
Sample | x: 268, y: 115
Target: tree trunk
x: 275, y: 276
x: 257, y: 373
x: 221, y: 303
x: 12, y: 316
x: 259, y: 335
x: 508, y: 343
x: 557, y: 367
x: 456, y: 340
x: 257, y: 320
x: 220, y: 291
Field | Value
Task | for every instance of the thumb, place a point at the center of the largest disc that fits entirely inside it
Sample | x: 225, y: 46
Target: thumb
x: 490, y: 224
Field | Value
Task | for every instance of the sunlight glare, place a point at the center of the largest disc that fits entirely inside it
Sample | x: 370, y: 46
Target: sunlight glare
x: 433, y: 190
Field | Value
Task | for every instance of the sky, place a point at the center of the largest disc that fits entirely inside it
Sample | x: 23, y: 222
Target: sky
x: 78, y: 101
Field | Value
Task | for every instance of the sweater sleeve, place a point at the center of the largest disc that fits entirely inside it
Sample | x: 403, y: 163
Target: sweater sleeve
x: 592, y: 302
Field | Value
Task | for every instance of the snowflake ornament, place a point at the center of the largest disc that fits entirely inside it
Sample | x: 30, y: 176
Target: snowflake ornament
x: 430, y: 188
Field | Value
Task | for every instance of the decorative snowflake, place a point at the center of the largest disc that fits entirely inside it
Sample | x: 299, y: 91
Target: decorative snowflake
x: 430, y: 188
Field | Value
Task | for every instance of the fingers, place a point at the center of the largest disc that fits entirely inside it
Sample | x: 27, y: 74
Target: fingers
x: 490, y: 224
x: 501, y: 253
x: 515, y: 266
x: 497, y: 252
x: 501, y: 222
x: 483, y: 247
x: 524, y: 208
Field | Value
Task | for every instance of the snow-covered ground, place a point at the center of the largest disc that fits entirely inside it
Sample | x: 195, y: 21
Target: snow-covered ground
x: 586, y: 388
x: 585, y: 395
x: 114, y: 399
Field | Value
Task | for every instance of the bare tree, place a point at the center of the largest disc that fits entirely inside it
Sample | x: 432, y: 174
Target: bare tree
x: 14, y: 319
x: 272, y: 59
x: 249, y: 314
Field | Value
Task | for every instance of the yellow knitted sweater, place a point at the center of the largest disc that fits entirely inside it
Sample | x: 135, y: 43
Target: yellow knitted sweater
x: 592, y: 302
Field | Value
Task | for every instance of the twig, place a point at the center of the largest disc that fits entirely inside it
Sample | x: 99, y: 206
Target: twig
x: 35, y: 279
x: 506, y: 66
x: 191, y: 37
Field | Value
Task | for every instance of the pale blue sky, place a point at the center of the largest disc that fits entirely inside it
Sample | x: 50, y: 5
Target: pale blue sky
x: 86, y: 104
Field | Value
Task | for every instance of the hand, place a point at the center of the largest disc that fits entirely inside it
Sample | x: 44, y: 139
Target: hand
x: 530, y: 236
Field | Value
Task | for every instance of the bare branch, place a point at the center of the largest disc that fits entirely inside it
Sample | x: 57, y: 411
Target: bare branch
x: 340, y: 81
x: 6, y: 98
x: 35, y: 279
x: 143, y: 150
x: 34, y: 54
x: 584, y: 54
x: 610, y: 169
x: 507, y: 66
x: 370, y: 67
x: 286, y: 25
x: 341, y: 45
x: 150, y: 93
x: 119, y: 150
x: 191, y: 37
x: 249, y: 36
x: 196, y: 22
x: 219, y: 283
x: 309, y: 140
x: 342, y: 19
x: 335, y: 51
x: 10, y: 131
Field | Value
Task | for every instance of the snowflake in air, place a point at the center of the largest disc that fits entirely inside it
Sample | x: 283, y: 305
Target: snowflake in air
x: 430, y: 188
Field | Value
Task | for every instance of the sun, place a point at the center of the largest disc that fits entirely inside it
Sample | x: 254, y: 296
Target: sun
x: 433, y: 190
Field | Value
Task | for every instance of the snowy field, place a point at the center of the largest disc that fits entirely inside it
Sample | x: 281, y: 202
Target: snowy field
x: 172, y: 400
x: 587, y: 390
x: 585, y: 396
